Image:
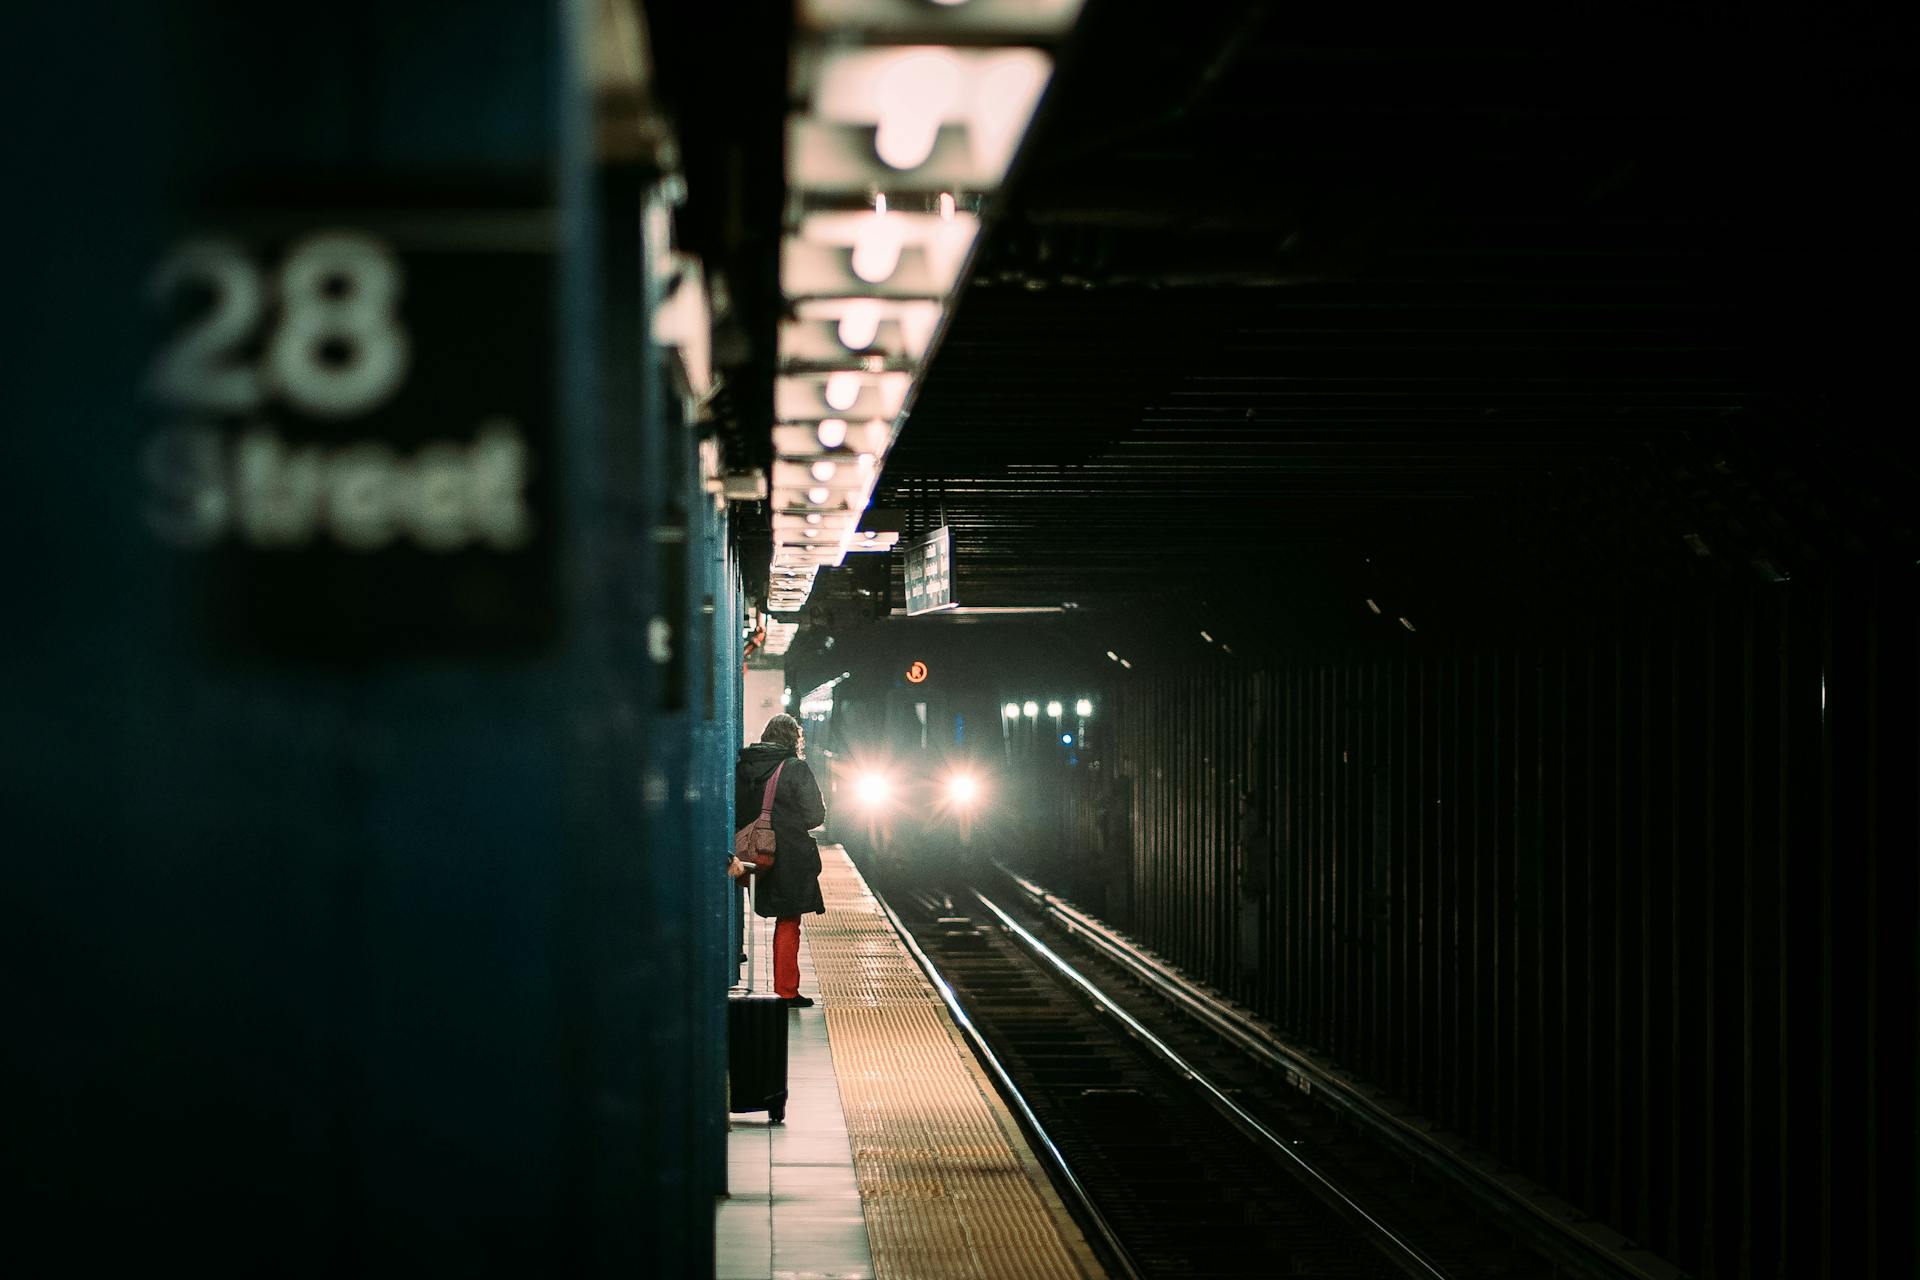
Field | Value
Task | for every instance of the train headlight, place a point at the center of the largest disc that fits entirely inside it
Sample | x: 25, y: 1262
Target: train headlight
x: 963, y: 788
x: 872, y: 789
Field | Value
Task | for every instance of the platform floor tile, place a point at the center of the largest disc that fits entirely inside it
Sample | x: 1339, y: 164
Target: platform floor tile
x: 793, y: 1207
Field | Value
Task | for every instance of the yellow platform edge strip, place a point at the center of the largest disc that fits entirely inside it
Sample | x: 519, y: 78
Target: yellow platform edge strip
x: 950, y: 1187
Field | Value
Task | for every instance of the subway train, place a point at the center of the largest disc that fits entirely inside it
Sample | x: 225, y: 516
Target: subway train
x: 929, y: 776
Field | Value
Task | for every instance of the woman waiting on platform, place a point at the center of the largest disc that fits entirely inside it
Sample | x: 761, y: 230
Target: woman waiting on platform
x: 791, y: 888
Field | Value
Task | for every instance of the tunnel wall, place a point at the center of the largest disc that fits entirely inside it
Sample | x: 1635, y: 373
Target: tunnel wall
x: 1626, y: 900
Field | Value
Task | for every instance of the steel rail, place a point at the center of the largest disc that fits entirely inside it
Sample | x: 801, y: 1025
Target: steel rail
x: 1554, y: 1227
x: 1383, y: 1237
x: 1128, y: 1265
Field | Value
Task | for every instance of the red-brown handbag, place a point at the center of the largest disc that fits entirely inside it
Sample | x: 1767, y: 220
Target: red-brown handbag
x: 753, y: 844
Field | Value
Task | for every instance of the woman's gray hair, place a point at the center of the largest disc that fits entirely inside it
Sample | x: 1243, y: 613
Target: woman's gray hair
x: 782, y: 731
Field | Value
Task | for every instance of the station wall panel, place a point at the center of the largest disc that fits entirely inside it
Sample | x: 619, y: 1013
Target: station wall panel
x: 1624, y: 897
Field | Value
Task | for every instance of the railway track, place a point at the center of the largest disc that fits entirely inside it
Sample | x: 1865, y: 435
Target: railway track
x: 1188, y: 1157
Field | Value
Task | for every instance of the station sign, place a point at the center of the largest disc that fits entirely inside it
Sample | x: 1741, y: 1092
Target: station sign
x: 354, y: 441
x: 928, y: 571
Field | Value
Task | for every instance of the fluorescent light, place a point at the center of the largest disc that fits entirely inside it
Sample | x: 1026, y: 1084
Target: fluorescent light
x: 1112, y: 656
x: 859, y: 324
x: 1004, y: 97
x: 1084, y: 707
x: 912, y: 96
x: 842, y: 389
x: 1031, y: 709
x: 1011, y: 710
x: 1053, y: 708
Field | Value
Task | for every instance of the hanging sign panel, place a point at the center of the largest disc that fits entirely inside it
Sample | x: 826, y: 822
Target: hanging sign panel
x: 928, y: 570
x: 354, y: 441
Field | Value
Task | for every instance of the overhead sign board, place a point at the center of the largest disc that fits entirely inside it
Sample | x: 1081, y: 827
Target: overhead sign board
x: 929, y: 572
x: 354, y: 440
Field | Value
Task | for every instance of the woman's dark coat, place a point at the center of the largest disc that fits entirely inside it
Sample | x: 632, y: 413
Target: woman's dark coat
x: 792, y: 887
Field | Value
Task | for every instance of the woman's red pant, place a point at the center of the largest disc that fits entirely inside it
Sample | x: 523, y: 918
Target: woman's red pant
x: 786, y: 956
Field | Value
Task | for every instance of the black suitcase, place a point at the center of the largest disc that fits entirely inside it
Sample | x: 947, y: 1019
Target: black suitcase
x: 757, y: 1054
x: 756, y: 1045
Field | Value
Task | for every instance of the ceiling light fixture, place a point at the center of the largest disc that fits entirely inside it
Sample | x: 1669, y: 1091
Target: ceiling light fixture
x: 876, y: 246
x: 842, y: 389
x: 859, y: 324
x: 913, y: 96
x: 832, y: 432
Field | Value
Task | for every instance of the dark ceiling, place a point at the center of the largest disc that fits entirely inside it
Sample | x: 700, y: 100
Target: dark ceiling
x: 1605, y: 302
x: 1344, y: 296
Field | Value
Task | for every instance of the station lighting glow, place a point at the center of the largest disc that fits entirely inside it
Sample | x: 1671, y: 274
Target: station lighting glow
x: 1032, y: 709
x: 859, y: 324
x: 895, y: 127
x: 843, y: 389
x: 1406, y: 624
x: 1004, y: 98
x: 912, y: 96
x: 963, y: 788
x: 1053, y: 708
x: 1206, y: 637
x: 1084, y: 707
x: 1112, y: 656
x: 1011, y: 711
x: 877, y: 245
x: 1126, y: 664
x: 1371, y: 605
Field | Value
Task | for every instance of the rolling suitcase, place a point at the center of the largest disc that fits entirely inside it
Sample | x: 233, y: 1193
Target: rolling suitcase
x: 756, y: 1045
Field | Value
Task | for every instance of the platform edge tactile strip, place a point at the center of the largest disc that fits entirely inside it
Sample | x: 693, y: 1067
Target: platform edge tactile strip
x: 950, y: 1187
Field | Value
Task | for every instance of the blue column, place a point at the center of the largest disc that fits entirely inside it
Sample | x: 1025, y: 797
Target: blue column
x: 357, y: 932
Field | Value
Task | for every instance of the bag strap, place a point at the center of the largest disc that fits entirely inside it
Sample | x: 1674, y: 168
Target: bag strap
x: 766, y: 802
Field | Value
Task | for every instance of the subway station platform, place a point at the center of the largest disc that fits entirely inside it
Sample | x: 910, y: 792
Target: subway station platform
x: 897, y: 1159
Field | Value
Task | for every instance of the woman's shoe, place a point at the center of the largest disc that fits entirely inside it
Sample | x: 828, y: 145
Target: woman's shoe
x: 798, y: 1002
